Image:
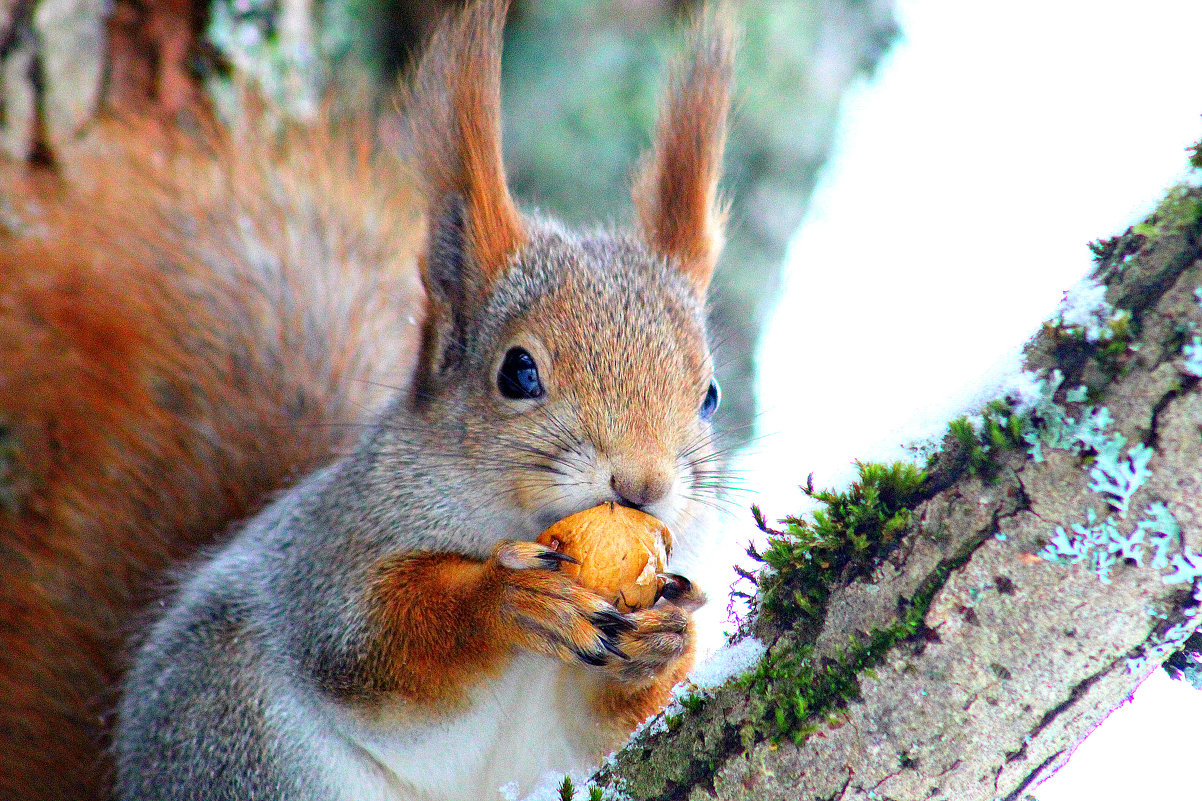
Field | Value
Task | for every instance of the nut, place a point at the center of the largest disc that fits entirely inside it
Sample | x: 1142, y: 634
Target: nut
x: 621, y: 552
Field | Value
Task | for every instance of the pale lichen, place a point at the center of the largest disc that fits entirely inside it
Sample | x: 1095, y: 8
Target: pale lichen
x: 1102, y: 544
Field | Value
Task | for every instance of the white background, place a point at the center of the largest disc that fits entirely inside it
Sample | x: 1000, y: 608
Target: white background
x: 996, y: 141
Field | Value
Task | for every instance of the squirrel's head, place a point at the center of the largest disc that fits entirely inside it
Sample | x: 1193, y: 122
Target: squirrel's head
x: 573, y: 369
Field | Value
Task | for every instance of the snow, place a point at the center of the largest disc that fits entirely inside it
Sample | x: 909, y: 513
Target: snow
x: 546, y: 788
x: 729, y: 661
x: 1024, y: 389
x: 1085, y: 307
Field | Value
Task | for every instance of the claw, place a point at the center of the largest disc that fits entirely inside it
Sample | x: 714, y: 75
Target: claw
x: 612, y: 622
x: 598, y: 658
x: 554, y: 558
x: 589, y: 658
x: 679, y: 591
x: 526, y: 555
x: 613, y: 648
x: 674, y: 586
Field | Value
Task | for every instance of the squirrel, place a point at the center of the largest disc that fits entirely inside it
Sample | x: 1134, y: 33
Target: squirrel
x: 446, y: 375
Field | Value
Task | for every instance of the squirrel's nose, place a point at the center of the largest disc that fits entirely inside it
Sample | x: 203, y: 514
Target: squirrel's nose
x: 638, y: 490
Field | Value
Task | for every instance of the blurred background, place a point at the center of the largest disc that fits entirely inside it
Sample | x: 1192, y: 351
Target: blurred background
x: 912, y: 185
x: 581, y: 84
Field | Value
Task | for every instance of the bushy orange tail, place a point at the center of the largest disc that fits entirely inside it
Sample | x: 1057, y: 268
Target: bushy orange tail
x: 183, y: 331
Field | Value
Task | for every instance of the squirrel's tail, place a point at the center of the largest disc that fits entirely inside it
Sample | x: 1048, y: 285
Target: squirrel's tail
x: 186, y: 330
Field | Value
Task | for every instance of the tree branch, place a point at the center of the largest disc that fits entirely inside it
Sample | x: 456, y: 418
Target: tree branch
x: 1049, y: 563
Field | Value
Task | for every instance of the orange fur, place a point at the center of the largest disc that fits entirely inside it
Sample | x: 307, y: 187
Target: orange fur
x: 144, y: 416
x: 440, y: 615
x: 455, y: 122
x: 448, y: 621
x: 676, y: 190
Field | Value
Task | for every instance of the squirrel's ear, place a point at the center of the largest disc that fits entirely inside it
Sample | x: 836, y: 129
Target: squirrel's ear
x: 676, y: 190
x: 453, y: 111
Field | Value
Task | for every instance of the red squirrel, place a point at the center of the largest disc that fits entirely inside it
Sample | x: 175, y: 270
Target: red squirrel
x: 434, y: 375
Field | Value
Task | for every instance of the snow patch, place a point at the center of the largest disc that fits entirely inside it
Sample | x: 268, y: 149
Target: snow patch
x: 1024, y: 389
x: 731, y: 660
x: 546, y: 788
x: 1085, y: 307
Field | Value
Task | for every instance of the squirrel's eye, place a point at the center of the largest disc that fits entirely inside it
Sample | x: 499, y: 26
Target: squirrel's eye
x: 713, y: 396
x: 518, y: 377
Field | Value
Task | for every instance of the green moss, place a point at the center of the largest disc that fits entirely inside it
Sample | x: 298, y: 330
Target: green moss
x: 795, y: 689
x: 1116, y: 343
x: 794, y: 692
x: 567, y: 791
x: 847, y: 536
x: 1000, y: 432
x: 1180, y: 210
x: 974, y: 449
x: 1195, y: 155
x: 1108, y: 346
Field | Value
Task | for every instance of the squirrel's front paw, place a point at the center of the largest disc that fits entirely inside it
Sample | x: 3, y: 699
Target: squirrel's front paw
x: 660, y: 639
x: 661, y: 643
x: 550, y: 612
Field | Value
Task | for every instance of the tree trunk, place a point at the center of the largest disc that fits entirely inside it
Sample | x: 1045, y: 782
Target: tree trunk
x: 971, y: 657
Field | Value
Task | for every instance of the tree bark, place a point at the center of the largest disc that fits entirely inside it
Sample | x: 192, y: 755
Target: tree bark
x: 1017, y: 657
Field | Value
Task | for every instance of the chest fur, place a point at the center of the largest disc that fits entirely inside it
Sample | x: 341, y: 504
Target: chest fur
x: 533, y: 718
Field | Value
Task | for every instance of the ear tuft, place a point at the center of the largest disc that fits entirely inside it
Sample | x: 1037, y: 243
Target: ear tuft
x: 453, y: 109
x: 676, y: 191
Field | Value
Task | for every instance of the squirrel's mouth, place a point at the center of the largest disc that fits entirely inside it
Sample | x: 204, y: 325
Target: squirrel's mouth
x: 566, y: 507
x: 556, y: 511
